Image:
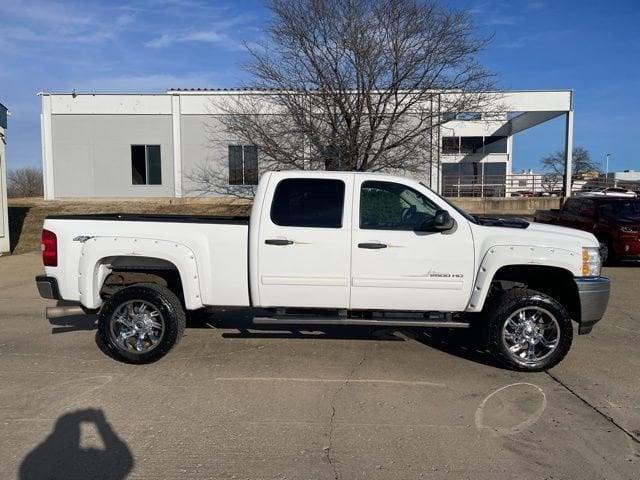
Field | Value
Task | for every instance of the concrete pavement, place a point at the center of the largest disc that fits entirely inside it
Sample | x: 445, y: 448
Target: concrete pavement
x: 341, y: 403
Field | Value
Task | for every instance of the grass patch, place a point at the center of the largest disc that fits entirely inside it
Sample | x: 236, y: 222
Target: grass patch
x: 26, y: 215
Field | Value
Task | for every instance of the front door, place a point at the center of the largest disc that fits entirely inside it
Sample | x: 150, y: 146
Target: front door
x: 398, y: 262
x: 305, y: 242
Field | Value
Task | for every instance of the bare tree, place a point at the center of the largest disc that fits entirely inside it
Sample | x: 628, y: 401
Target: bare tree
x: 551, y: 182
x: 357, y: 84
x: 24, y: 182
x: 582, y: 163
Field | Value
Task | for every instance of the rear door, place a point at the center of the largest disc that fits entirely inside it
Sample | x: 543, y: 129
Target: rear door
x: 304, y: 243
x: 585, y: 219
x: 569, y: 213
x: 397, y: 263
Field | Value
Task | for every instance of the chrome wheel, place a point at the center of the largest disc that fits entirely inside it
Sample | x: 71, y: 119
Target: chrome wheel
x: 530, y: 335
x: 137, y: 326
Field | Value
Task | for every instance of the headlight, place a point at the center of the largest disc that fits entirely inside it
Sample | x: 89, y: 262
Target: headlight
x: 591, y: 262
x: 628, y: 229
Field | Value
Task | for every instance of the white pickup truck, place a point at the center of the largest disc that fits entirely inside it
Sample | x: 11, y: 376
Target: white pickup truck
x: 329, y: 248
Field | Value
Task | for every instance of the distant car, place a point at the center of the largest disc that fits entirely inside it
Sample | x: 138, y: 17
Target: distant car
x: 609, y: 191
x: 613, y: 218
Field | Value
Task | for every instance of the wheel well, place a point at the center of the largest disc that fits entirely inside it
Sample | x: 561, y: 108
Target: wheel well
x: 129, y: 270
x: 556, y: 282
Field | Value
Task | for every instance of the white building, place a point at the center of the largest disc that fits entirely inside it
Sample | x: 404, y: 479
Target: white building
x: 4, y: 215
x: 145, y: 145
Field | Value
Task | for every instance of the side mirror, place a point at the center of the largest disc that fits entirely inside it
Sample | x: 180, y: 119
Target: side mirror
x: 442, y: 221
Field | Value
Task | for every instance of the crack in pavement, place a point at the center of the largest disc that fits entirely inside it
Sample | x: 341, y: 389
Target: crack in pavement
x: 632, y: 435
x: 327, y: 449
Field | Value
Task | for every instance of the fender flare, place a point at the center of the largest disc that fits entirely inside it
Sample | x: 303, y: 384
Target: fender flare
x: 500, y: 256
x: 93, y: 270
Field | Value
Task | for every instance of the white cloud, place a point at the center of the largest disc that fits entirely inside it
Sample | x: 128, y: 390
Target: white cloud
x: 54, y: 22
x: 224, y: 32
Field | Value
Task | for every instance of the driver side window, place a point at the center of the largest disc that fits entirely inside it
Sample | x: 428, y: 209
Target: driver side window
x: 392, y: 206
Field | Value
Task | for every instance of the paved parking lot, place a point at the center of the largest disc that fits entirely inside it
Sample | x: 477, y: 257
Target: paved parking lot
x: 343, y: 403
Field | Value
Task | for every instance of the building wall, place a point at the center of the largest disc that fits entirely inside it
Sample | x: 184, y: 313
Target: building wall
x: 86, y: 138
x: 92, y: 154
x: 204, y: 143
x: 4, y: 213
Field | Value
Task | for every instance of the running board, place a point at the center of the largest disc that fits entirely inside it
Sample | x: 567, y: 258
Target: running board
x: 306, y: 320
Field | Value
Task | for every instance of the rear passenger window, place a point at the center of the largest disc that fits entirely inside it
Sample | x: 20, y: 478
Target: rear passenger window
x: 308, y: 202
x: 587, y: 209
x: 572, y: 206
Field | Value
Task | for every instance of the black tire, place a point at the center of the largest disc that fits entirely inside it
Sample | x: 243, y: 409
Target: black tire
x: 607, y: 254
x: 164, y: 301
x: 500, y: 310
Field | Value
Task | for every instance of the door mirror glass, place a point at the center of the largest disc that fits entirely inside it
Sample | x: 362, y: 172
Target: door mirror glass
x: 441, y: 222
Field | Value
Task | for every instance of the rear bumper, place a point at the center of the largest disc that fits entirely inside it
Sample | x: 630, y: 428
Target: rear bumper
x: 47, y: 287
x: 594, y: 297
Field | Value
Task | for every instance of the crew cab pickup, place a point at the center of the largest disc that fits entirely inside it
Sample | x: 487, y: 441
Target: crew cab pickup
x: 614, y: 220
x: 329, y: 248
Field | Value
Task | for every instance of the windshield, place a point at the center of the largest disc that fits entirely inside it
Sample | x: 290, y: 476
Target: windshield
x: 622, y: 208
x: 469, y: 217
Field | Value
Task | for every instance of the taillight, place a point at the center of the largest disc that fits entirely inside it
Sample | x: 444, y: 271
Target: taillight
x: 49, y: 248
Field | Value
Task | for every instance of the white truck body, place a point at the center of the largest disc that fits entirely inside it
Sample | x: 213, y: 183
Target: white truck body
x: 330, y: 254
x: 228, y: 263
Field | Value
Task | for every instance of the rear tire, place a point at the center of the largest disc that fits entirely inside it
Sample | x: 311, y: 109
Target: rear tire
x: 528, y: 330
x: 141, y: 323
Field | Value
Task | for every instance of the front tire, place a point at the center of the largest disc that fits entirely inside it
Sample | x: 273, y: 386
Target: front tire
x: 141, y: 323
x: 528, y: 330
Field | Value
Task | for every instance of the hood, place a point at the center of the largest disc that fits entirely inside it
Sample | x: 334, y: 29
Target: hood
x: 588, y: 239
x: 536, y: 235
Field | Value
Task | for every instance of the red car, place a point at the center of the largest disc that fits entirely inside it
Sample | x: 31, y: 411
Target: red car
x: 614, y: 220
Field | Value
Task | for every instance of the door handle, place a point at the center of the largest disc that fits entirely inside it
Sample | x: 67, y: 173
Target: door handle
x: 278, y: 241
x: 372, y: 246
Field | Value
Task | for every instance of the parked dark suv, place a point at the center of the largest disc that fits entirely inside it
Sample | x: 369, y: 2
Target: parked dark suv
x: 614, y: 220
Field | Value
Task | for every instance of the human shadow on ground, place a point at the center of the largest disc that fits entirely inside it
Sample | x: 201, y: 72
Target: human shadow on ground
x: 60, y: 455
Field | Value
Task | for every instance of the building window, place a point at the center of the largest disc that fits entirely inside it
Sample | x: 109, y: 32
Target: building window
x: 243, y: 165
x: 471, y: 145
x: 495, y: 169
x: 451, y: 145
x: 462, y: 116
x: 331, y: 157
x: 146, y: 166
x: 495, y: 144
x: 469, y: 116
x: 450, y: 169
x: 454, y: 145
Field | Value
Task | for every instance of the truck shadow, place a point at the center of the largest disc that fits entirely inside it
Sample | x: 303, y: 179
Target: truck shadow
x: 73, y: 323
x: 461, y: 343
x: 237, y: 323
x: 61, y: 455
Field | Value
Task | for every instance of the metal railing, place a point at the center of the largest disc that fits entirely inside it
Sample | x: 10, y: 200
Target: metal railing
x: 524, y: 185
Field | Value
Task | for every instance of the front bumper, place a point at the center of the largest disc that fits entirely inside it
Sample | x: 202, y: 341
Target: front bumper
x: 47, y: 287
x: 594, y: 297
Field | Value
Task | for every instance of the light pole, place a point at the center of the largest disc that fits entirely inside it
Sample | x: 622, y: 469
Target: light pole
x: 606, y: 171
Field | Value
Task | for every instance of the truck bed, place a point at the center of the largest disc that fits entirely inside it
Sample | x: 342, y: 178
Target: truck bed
x: 210, y: 252
x: 155, y: 217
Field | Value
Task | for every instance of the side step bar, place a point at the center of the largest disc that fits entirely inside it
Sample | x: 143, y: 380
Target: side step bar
x: 67, y: 311
x: 308, y: 320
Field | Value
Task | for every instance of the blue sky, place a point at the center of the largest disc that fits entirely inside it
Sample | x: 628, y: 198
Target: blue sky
x: 592, y: 47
